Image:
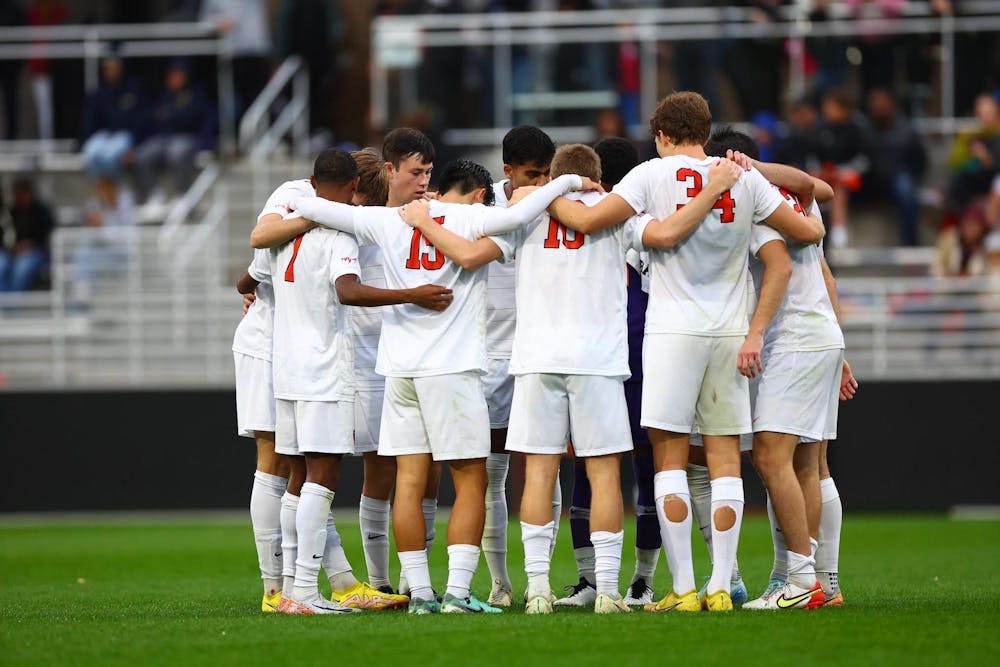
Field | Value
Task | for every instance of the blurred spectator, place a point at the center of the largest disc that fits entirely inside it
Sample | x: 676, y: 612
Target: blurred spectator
x: 112, y: 210
x: 975, y: 155
x: 878, y: 50
x: 830, y: 52
x: 33, y: 223
x: 898, y: 162
x: 113, y: 118
x: 629, y: 82
x: 43, y: 13
x: 766, y: 134
x: 745, y: 59
x: 10, y: 70
x: 800, y: 148
x: 245, y: 23
x: 961, y: 249
x: 310, y: 28
x: 843, y: 161
x: 183, y: 123
x: 608, y: 123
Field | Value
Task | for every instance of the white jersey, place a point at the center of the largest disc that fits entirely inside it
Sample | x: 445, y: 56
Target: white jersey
x: 500, y: 304
x: 699, y: 286
x: 254, y: 332
x: 313, y: 355
x: 417, y: 342
x: 366, y: 323
x: 805, y: 320
x: 572, y: 298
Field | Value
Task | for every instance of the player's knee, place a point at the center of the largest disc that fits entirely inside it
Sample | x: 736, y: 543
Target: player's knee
x: 724, y: 518
x: 674, y: 508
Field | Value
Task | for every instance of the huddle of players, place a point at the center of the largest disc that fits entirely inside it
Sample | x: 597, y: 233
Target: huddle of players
x: 569, y: 357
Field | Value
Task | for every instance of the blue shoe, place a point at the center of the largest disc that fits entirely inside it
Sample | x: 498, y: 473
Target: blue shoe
x: 738, y: 592
x: 469, y: 605
x: 421, y: 607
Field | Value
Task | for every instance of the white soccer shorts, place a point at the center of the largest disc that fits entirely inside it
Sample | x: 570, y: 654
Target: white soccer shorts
x: 799, y: 393
x: 314, y: 427
x: 367, y: 419
x: 498, y: 386
x: 690, y: 383
x: 441, y: 415
x: 254, y: 395
x: 550, y: 409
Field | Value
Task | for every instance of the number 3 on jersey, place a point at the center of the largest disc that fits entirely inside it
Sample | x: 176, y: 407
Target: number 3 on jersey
x: 725, y: 203
x: 431, y: 259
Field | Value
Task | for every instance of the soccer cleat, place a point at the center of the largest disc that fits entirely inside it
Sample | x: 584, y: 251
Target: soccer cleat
x: 674, y: 602
x: 836, y: 601
x: 269, y: 604
x: 419, y: 607
x: 500, y: 596
x: 365, y: 596
x: 388, y: 589
x: 789, y: 596
x: 469, y: 605
x: 313, y: 606
x: 738, y: 591
x: 582, y: 595
x: 717, y: 601
x: 606, y: 604
x: 539, y: 604
x: 639, y: 593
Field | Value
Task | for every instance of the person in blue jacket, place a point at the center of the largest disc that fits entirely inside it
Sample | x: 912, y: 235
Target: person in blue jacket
x: 113, y: 120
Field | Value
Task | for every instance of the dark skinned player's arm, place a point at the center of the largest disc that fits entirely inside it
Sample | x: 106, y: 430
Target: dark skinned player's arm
x: 247, y: 284
x: 352, y: 292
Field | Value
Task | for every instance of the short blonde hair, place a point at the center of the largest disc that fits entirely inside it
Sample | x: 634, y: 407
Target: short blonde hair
x: 373, y: 179
x: 577, y: 159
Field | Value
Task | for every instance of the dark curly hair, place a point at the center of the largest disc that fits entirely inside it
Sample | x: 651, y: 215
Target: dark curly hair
x: 618, y: 157
x: 527, y: 144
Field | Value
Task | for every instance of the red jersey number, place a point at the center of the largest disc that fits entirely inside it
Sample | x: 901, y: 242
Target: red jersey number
x: 726, y: 204
x: 429, y: 259
x: 557, y: 230
x: 290, y: 269
x: 793, y: 201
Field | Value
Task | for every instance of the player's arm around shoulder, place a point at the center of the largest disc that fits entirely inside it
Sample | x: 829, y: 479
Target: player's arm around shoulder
x: 777, y: 273
x: 807, y: 229
x: 610, y: 211
x: 470, y: 255
x: 274, y: 229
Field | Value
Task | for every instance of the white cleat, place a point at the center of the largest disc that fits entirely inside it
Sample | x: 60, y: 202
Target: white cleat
x: 607, y: 604
x: 312, y: 606
x: 583, y: 595
x: 500, y: 596
x: 788, y: 596
x: 539, y: 604
x: 639, y: 593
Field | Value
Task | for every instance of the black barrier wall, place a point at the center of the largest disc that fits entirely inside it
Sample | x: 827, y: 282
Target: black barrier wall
x: 902, y: 446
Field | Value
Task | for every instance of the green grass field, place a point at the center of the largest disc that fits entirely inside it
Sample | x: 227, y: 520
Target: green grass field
x: 920, y: 591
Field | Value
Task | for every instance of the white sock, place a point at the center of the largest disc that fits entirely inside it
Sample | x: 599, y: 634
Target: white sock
x: 800, y: 569
x: 265, y: 517
x: 556, y: 513
x: 676, y: 535
x: 289, y: 540
x: 700, y: 487
x: 310, y: 524
x: 373, y: 514
x: 585, y: 562
x: 414, y: 567
x: 462, y: 562
x: 779, y: 570
x: 607, y: 560
x: 335, y: 563
x: 645, y: 564
x: 495, y: 529
x: 537, y: 542
x: 430, y: 508
x: 726, y: 492
x: 828, y: 551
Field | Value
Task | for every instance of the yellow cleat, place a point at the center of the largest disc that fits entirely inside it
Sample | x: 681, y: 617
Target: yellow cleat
x: 365, y: 596
x: 606, y: 604
x: 674, y: 602
x: 269, y: 604
x: 717, y: 601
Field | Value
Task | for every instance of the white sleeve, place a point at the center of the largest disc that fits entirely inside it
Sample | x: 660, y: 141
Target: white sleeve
x: 508, y: 244
x: 281, y: 199
x: 761, y: 235
x: 635, y: 188
x: 327, y: 213
x: 766, y: 197
x: 632, y: 231
x: 260, y: 267
x: 497, y: 220
x: 344, y: 258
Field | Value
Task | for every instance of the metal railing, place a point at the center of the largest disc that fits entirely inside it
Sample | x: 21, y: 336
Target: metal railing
x: 398, y: 43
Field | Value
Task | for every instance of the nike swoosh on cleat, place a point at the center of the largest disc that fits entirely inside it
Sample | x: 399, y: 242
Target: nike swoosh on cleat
x: 670, y: 607
x: 785, y: 603
x: 277, y: 555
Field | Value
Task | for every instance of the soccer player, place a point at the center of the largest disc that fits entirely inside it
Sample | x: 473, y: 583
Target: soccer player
x: 618, y: 157
x: 698, y: 350
x: 434, y: 407
x: 527, y: 155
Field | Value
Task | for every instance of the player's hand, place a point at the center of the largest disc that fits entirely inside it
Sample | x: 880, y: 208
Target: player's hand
x: 739, y: 158
x: 248, y: 300
x: 748, y: 360
x: 591, y: 185
x: 723, y: 175
x: 432, y: 196
x: 417, y: 211
x: 431, y: 297
x: 520, y: 193
x: 848, y: 384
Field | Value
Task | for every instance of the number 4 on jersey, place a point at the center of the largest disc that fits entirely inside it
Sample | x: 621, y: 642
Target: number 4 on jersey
x: 725, y: 203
